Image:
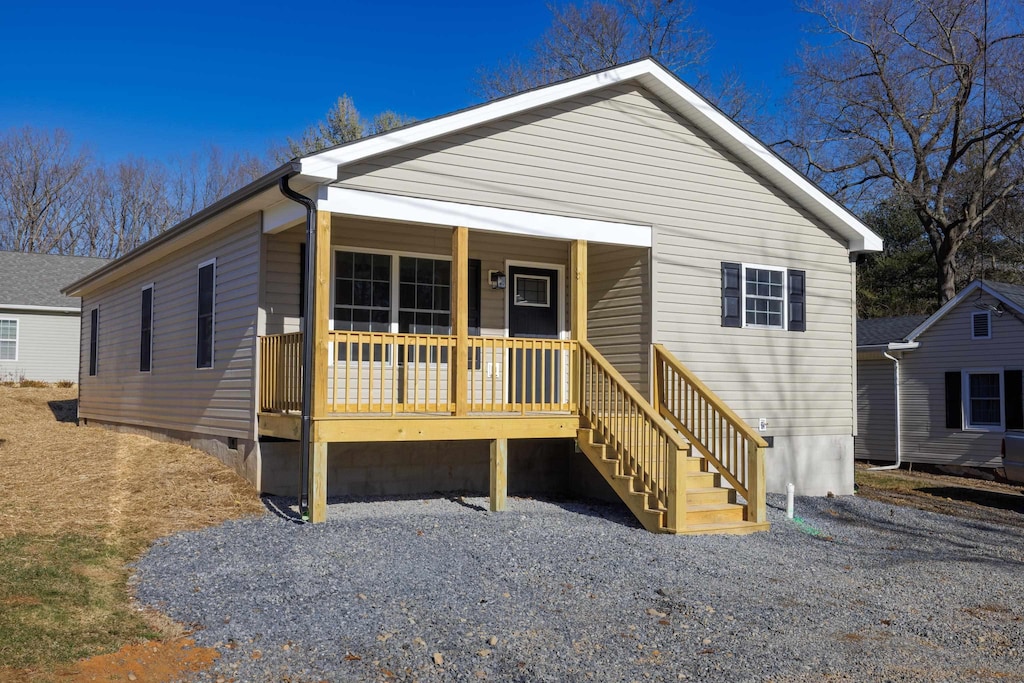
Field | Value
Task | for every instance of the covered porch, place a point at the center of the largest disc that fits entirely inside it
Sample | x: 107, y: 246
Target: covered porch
x: 436, y: 322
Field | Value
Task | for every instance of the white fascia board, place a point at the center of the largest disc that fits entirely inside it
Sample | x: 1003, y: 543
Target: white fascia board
x: 903, y: 346
x: 44, y: 309
x: 943, y: 310
x: 377, y: 205
x: 688, y: 103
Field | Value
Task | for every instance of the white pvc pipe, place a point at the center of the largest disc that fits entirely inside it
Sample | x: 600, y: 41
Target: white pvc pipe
x: 899, y: 433
x: 790, y: 490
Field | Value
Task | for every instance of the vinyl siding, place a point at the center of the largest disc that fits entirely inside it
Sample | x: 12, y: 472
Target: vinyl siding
x: 47, y: 346
x: 493, y: 249
x: 176, y: 395
x: 945, y: 347
x: 876, y: 408
x: 620, y: 154
x: 619, y: 309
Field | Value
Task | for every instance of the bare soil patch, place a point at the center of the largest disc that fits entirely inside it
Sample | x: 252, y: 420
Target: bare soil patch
x: 73, y: 494
x: 926, y: 489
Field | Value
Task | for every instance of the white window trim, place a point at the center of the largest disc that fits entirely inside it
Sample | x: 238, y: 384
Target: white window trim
x: 785, y: 297
x: 965, y: 395
x: 152, y: 316
x: 213, y: 313
x: 547, y: 290
x: 988, y: 324
x: 17, y: 338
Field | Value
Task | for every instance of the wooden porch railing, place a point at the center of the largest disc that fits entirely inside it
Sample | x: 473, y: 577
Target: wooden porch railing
x: 648, y: 447
x: 721, y: 436
x: 385, y: 373
x: 281, y: 372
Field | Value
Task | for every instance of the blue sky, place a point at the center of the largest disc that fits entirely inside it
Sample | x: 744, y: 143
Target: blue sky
x: 159, y: 80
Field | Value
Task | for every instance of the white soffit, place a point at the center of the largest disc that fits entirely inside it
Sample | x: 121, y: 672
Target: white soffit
x: 348, y: 202
x: 663, y: 84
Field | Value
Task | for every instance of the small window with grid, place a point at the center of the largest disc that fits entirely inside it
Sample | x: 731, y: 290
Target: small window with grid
x: 764, y: 297
x: 9, y: 339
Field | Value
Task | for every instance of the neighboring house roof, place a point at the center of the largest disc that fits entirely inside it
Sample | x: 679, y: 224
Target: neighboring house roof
x: 883, y: 331
x: 904, y: 331
x: 662, y: 83
x: 321, y: 168
x: 35, y: 280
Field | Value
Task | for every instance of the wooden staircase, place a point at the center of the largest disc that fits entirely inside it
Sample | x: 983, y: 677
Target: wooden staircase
x: 670, y: 486
x: 710, y: 507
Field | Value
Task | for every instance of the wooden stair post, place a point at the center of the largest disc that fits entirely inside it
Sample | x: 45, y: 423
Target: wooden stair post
x: 757, y: 506
x: 676, y: 490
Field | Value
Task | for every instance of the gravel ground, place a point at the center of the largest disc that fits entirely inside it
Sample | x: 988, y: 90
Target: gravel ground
x: 441, y: 590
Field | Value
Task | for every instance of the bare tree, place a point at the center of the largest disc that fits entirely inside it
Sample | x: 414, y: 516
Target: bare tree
x: 198, y: 180
x: 42, y: 186
x: 894, y: 103
x: 597, y: 35
x: 342, y: 123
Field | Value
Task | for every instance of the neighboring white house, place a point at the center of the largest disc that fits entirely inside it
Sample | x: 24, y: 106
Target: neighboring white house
x: 39, y: 326
x: 942, y: 389
x: 564, y: 246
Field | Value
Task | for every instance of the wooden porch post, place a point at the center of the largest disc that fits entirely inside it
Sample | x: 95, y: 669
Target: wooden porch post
x: 578, y: 291
x: 460, y: 317
x: 499, y: 474
x: 318, y: 328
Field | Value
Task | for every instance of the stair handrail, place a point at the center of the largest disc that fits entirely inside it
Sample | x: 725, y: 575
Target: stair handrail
x: 746, y: 474
x: 668, y: 485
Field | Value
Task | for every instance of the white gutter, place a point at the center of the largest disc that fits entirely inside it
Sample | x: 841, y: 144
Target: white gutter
x: 48, y: 309
x: 899, y: 435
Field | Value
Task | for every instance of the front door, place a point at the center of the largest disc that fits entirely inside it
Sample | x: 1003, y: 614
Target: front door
x: 533, y: 302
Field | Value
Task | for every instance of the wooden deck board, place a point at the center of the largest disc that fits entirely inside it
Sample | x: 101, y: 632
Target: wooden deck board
x: 438, y: 427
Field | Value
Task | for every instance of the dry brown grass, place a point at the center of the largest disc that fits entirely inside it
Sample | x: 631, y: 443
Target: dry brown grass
x: 57, y: 477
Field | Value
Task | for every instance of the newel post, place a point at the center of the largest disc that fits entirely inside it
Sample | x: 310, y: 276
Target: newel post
x: 756, y: 489
x: 676, y: 489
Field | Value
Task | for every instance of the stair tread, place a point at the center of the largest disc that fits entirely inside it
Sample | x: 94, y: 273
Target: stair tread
x: 724, y: 526
x: 706, y: 507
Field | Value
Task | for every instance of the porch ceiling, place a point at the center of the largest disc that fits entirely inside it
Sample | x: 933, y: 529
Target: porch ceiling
x: 377, y: 205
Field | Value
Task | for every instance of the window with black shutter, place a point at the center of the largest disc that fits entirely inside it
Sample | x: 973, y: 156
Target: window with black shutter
x: 764, y: 297
x: 146, y: 331
x: 205, y: 314
x: 94, y: 335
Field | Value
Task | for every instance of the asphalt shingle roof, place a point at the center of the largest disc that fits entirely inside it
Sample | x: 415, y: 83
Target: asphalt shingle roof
x: 877, y: 331
x: 1015, y: 293
x: 36, y: 279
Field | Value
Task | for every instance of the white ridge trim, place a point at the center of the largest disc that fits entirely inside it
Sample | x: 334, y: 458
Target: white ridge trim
x: 348, y: 202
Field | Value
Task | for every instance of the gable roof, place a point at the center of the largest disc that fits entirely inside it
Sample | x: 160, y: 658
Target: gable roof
x: 883, y: 331
x: 35, y: 280
x: 1007, y: 294
x: 662, y: 83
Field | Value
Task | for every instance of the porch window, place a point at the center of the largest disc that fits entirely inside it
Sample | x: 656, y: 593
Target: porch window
x: 362, y: 292
x: 424, y: 299
x: 9, y: 339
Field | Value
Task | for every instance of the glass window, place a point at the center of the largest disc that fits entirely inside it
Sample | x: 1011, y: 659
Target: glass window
x: 9, y: 339
x: 424, y: 295
x: 984, y: 399
x: 764, y: 297
x: 532, y: 290
x: 204, y: 316
x: 362, y: 292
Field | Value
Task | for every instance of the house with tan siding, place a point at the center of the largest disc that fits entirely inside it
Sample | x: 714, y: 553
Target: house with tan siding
x: 600, y: 287
x: 39, y: 326
x: 943, y: 389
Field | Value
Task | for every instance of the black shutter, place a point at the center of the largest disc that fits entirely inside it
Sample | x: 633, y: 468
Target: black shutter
x: 302, y: 280
x: 474, y: 296
x: 94, y: 333
x: 732, y: 295
x: 1013, y: 391
x: 797, y: 306
x: 954, y: 405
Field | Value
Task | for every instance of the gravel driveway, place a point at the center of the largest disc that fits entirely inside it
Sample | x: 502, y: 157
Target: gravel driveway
x: 441, y: 590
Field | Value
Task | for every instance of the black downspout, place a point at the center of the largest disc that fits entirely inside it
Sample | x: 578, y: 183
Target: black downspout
x: 307, y: 341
